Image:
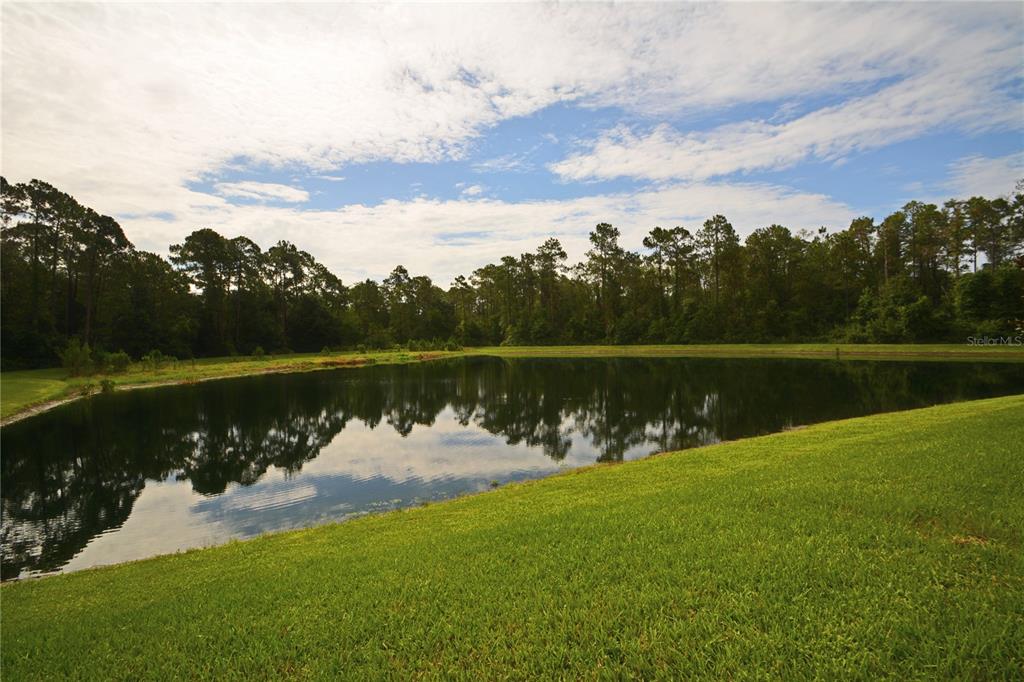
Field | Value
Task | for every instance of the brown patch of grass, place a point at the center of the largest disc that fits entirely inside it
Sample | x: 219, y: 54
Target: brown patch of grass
x: 344, y: 362
x: 969, y: 540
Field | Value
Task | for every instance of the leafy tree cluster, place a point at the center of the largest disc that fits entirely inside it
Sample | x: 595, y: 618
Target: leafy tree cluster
x: 924, y: 273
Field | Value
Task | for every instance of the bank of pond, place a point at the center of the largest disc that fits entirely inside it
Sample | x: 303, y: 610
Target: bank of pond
x: 134, y: 474
x: 880, y: 547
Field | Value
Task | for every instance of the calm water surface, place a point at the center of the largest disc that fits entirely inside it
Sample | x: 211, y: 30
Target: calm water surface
x: 134, y: 474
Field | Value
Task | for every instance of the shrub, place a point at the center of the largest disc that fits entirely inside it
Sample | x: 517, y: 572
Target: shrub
x: 258, y: 353
x: 100, y: 361
x: 75, y: 358
x: 119, y: 362
x: 361, y: 348
x: 155, y: 359
x: 107, y: 386
x: 325, y: 351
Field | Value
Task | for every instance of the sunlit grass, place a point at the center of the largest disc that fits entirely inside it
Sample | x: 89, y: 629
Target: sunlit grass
x: 885, y: 546
x: 22, y: 389
x: 892, y: 351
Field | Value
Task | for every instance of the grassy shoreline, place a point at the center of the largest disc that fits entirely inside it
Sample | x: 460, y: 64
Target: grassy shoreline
x: 882, y: 546
x: 24, y: 393
x: 938, y: 351
x: 29, y: 392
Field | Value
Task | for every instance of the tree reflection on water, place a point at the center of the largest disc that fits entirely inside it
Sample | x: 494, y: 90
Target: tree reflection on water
x: 75, y: 472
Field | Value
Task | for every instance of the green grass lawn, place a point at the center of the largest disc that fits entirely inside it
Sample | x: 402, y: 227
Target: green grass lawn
x: 19, y: 390
x: 22, y: 391
x: 891, y: 351
x: 884, y: 546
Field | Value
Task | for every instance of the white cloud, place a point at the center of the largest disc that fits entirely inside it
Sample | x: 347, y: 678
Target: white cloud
x: 330, y: 178
x: 445, y: 238
x: 985, y: 176
x: 126, y: 105
x: 506, y: 163
x: 262, y: 191
x: 133, y: 100
x: 966, y: 88
x: 471, y: 190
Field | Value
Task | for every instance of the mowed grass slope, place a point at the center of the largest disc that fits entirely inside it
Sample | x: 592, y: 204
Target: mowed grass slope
x: 885, y: 546
x: 19, y: 390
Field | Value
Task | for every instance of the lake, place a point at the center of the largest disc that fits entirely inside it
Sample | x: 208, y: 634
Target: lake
x: 138, y: 473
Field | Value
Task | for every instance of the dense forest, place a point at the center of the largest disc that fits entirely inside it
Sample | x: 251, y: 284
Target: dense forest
x: 925, y: 273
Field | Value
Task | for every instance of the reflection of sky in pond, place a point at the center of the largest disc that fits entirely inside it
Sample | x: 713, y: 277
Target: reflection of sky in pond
x: 136, y: 474
x: 362, y: 470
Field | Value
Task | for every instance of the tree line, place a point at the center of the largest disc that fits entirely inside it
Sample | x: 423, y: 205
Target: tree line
x: 924, y: 273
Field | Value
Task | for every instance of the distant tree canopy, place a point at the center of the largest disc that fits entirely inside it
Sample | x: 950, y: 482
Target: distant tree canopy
x: 924, y: 273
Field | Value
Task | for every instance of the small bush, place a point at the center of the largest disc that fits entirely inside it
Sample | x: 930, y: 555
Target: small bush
x: 119, y: 362
x: 155, y: 359
x: 361, y: 348
x: 325, y: 351
x: 75, y: 358
x: 258, y: 353
x: 107, y: 386
x: 100, y: 361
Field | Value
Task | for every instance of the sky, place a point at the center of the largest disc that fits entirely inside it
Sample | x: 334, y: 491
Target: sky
x: 442, y: 137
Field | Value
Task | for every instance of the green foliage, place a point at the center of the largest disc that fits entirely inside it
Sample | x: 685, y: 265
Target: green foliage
x: 110, y: 363
x: 218, y: 296
x: 76, y: 358
x: 155, y: 360
x: 99, y: 361
x: 258, y: 353
x: 106, y: 386
x: 119, y: 362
